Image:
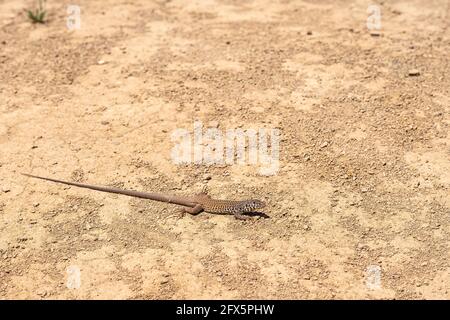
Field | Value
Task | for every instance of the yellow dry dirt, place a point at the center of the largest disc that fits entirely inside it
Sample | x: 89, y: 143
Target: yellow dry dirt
x: 360, y: 205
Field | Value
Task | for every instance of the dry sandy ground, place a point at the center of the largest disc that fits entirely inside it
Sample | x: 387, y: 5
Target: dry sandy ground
x: 364, y: 173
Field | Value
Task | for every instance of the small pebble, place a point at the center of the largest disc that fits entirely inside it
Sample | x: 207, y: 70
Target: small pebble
x: 42, y: 293
x: 413, y: 72
x: 324, y: 144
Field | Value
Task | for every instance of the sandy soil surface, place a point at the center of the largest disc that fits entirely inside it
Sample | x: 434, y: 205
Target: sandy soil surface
x: 364, y: 173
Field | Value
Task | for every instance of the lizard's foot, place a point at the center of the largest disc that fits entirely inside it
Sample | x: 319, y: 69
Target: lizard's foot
x: 240, y: 216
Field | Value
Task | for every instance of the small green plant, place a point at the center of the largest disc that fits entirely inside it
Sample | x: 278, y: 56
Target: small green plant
x: 38, y: 16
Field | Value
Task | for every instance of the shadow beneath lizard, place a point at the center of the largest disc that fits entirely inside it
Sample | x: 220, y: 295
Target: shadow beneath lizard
x: 246, y: 214
x: 257, y: 214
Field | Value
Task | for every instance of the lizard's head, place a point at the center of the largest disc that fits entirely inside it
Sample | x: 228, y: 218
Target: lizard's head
x: 252, y: 205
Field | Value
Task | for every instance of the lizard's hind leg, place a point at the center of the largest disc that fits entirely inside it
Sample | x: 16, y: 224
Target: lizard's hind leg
x: 195, y: 210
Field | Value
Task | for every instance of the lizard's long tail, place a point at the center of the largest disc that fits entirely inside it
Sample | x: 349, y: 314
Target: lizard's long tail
x: 145, y: 195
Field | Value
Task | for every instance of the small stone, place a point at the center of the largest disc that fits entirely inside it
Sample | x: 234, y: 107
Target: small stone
x: 413, y: 73
x: 6, y: 189
x: 35, y: 204
x: 207, y: 177
x: 323, y: 145
x: 164, y: 281
x: 41, y: 293
x: 309, y: 32
x: 375, y: 33
x: 100, y: 62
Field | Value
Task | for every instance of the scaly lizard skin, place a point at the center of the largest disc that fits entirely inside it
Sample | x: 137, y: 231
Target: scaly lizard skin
x: 193, y: 205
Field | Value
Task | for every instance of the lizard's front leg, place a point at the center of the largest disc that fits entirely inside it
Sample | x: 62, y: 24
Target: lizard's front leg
x: 195, y: 210
x: 240, y: 216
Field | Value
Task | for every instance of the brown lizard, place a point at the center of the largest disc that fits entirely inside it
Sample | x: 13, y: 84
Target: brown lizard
x: 193, y: 205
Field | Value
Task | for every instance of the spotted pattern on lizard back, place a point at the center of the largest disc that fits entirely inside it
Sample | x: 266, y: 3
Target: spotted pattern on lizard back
x: 227, y: 206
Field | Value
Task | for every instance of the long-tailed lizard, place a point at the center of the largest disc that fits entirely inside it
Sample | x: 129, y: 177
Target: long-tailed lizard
x: 193, y: 205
